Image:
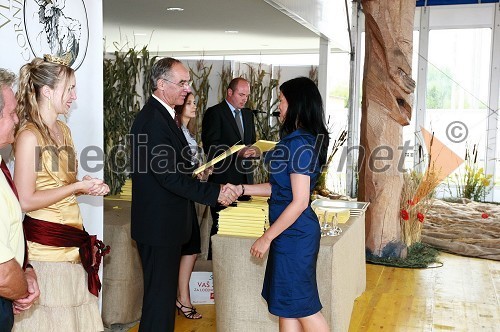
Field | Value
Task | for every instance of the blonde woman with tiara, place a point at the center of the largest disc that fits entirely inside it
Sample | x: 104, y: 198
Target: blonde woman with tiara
x: 64, y: 256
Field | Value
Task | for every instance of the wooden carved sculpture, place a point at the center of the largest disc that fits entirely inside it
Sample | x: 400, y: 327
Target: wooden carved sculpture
x: 386, y: 107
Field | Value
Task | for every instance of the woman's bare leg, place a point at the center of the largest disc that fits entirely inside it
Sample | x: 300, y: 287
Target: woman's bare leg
x: 314, y: 323
x: 290, y: 325
x: 185, y: 269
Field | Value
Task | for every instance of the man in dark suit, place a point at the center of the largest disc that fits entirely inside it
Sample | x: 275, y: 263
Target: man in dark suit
x: 164, y: 191
x: 224, y: 125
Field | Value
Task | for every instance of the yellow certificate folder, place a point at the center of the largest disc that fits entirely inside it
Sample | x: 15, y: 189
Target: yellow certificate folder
x: 243, y: 234
x: 222, y: 156
x: 241, y: 227
x: 264, y: 145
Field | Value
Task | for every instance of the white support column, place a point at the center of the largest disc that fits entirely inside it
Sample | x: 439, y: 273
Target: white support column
x: 419, y: 108
x: 323, y: 69
x: 493, y: 103
x: 354, y: 109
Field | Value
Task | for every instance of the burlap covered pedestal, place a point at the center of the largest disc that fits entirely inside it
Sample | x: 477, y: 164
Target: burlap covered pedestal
x: 341, y: 274
x: 122, y: 276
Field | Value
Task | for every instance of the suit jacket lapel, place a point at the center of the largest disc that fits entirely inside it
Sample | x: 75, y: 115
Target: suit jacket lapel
x: 171, y: 123
x: 247, y: 121
x: 177, y: 130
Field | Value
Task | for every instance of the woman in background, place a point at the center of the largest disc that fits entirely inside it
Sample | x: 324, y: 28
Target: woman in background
x: 185, y: 117
x: 293, y: 239
x: 60, y: 250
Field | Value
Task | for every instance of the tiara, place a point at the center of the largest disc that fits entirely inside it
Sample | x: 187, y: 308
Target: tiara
x: 64, y: 60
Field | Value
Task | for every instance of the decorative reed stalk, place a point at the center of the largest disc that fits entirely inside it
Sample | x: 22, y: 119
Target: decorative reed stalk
x: 321, y: 184
x: 122, y: 74
x: 201, y: 87
x: 263, y: 97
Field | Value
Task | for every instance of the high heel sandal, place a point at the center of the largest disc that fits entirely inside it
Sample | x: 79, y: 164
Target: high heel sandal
x: 191, y: 313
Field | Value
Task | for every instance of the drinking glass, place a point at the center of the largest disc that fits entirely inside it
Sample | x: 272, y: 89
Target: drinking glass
x: 333, y: 222
x: 323, y: 220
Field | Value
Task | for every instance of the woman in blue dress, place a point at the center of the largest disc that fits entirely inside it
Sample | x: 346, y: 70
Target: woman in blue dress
x: 290, y: 287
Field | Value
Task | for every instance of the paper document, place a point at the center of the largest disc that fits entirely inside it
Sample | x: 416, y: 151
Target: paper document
x: 215, y: 160
x: 264, y: 145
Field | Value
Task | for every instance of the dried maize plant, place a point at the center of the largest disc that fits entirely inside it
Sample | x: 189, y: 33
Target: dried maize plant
x: 313, y: 74
x: 122, y: 75
x: 263, y: 98
x: 226, y: 76
x: 146, y: 65
x: 200, y: 87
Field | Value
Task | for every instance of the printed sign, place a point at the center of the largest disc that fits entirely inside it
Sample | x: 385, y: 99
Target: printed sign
x: 201, y: 287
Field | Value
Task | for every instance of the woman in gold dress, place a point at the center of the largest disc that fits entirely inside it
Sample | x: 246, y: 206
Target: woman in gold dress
x: 61, y: 252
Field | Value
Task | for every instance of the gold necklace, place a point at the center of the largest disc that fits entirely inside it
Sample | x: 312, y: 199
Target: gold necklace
x: 56, y: 136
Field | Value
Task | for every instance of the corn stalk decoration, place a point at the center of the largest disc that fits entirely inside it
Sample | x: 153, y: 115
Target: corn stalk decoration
x: 226, y: 76
x: 122, y: 75
x: 263, y: 97
x: 201, y: 87
x: 263, y: 92
x: 313, y: 74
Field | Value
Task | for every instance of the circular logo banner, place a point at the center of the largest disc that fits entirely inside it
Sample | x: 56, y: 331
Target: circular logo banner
x: 57, y: 27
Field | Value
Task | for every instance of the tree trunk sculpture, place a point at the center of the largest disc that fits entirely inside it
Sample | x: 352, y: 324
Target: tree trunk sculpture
x: 386, y: 107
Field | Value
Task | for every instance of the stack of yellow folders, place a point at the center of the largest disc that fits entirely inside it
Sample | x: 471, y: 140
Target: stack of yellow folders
x: 250, y: 218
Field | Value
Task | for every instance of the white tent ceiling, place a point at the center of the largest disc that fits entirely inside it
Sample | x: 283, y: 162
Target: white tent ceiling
x: 264, y: 27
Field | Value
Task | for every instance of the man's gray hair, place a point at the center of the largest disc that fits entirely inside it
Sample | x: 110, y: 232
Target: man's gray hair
x: 161, y: 69
x: 7, y: 79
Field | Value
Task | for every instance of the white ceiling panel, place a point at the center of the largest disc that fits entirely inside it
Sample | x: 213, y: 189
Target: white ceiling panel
x: 201, y: 27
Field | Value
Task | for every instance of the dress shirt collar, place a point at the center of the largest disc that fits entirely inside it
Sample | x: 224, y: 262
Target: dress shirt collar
x: 170, y: 110
x: 231, y: 107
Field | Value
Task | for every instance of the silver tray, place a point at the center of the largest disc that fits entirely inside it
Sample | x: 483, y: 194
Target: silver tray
x: 355, y: 208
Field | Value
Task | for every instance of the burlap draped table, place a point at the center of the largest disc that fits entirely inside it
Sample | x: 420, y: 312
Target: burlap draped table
x: 122, y: 276
x: 341, y: 274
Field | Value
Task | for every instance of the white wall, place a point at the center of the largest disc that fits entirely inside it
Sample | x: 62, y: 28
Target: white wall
x: 23, y: 37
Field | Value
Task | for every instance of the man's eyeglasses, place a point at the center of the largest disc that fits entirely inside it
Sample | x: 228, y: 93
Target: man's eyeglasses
x: 181, y: 84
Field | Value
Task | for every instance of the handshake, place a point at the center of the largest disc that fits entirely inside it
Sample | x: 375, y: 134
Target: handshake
x: 229, y: 193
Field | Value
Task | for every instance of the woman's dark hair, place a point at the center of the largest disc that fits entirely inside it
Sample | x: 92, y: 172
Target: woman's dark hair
x: 305, y: 110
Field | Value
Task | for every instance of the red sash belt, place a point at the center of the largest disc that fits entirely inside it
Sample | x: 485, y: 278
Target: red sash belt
x: 58, y: 235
